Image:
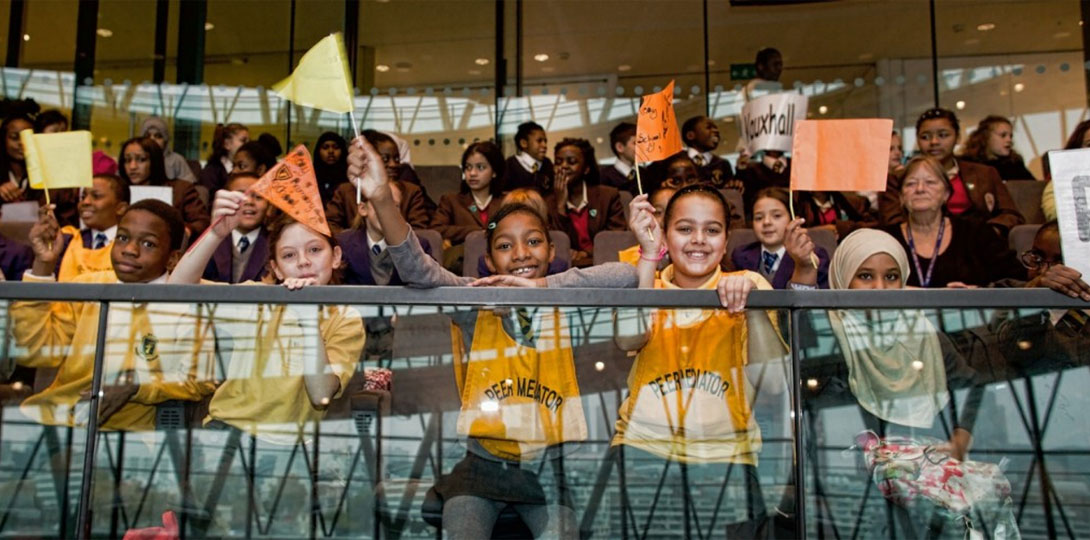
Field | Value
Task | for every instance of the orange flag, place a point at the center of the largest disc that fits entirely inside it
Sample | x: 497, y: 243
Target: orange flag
x: 293, y: 188
x: 657, y: 135
x: 841, y: 155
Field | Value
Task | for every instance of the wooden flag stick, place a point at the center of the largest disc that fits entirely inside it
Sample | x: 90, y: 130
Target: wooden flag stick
x: 356, y: 132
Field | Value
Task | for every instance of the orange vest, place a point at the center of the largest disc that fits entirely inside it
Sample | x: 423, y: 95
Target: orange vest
x: 518, y: 400
x: 78, y: 260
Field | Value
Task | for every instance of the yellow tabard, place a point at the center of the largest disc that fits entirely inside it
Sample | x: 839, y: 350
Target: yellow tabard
x: 79, y: 260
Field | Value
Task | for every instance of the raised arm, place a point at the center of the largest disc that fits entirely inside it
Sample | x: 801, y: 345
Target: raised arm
x: 225, y: 218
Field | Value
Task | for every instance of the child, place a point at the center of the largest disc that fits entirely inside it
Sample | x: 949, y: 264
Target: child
x: 177, y: 168
x: 691, y: 396
x: 782, y: 252
x: 246, y: 257
x: 225, y: 141
x: 253, y: 157
x: 701, y: 135
x: 622, y: 174
x: 288, y: 362
x: 100, y: 210
x: 142, y: 164
x: 530, y: 167
x: 769, y: 168
x: 533, y: 199
x: 155, y: 353
x: 681, y: 171
x: 330, y: 164
x: 367, y: 261
x: 467, y: 211
x: 516, y: 345
x: 579, y: 206
x: 342, y: 210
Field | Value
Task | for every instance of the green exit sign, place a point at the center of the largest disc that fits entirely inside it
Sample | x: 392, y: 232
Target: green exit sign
x: 743, y: 72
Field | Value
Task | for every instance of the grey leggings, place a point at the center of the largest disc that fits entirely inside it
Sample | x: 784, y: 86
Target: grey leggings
x: 469, y: 517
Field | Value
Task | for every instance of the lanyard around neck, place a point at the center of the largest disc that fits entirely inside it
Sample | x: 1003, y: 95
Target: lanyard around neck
x: 925, y: 279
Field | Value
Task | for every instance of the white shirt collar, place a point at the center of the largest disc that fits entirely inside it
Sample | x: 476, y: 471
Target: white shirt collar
x: 227, y: 164
x: 527, y: 162
x: 583, y: 203
x: 707, y: 156
x: 371, y: 243
x: 481, y: 205
x: 110, y: 234
x: 252, y: 236
x: 622, y: 167
x: 779, y: 253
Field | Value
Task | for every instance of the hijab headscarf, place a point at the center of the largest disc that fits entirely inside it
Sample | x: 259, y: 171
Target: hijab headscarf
x: 895, y: 362
x: 330, y: 176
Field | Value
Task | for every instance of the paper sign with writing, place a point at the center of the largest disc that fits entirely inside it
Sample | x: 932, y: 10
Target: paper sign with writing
x: 1071, y: 185
x: 657, y: 134
x: 158, y: 193
x: 57, y: 160
x: 841, y: 155
x: 768, y: 122
x: 294, y: 189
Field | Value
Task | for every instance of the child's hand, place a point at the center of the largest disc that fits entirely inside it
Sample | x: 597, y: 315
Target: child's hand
x: 733, y: 291
x: 1064, y: 280
x: 10, y: 191
x: 560, y: 185
x: 798, y: 243
x: 642, y: 222
x: 225, y: 212
x: 45, y: 237
x: 366, y: 169
x: 294, y: 284
x: 508, y: 281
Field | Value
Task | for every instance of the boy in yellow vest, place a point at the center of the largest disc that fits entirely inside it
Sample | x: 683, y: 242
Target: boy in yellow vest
x: 154, y: 352
x: 100, y: 209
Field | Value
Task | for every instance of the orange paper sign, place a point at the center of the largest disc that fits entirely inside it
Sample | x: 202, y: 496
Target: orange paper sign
x: 841, y: 155
x: 657, y: 135
x: 293, y: 188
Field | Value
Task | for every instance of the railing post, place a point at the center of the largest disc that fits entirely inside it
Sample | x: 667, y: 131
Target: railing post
x: 83, y: 527
x: 796, y: 417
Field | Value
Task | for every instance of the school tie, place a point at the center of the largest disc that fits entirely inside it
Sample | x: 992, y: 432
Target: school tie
x: 699, y: 160
x: 535, y: 168
x: 769, y: 261
x: 243, y: 244
x: 632, y: 174
x: 526, y: 323
x: 100, y: 240
x: 376, y: 249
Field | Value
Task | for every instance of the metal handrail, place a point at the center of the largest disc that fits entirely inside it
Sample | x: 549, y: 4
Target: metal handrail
x: 492, y: 296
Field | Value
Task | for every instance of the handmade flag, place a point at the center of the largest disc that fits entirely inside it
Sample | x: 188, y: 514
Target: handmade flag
x: 322, y: 79
x: 292, y: 187
x: 841, y: 155
x: 657, y: 134
x: 57, y: 160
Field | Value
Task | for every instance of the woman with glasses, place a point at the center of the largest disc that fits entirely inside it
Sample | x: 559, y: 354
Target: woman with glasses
x: 977, y: 192
x: 946, y: 250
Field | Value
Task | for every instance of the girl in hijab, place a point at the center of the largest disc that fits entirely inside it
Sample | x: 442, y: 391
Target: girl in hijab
x: 902, y: 373
x: 330, y: 164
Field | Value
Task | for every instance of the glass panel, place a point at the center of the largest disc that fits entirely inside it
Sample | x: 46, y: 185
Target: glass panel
x: 48, y: 353
x: 912, y: 430
x: 1022, y: 61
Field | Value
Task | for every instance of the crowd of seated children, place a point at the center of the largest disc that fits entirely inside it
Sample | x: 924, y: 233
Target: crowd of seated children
x: 578, y: 204
x: 142, y: 165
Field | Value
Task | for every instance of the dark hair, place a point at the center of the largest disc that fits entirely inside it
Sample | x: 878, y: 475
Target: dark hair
x: 119, y: 186
x: 704, y: 190
x: 170, y: 215
x: 1075, y: 140
x: 235, y: 175
x: 508, y: 210
x: 1050, y: 226
x: 336, y: 173
x: 5, y: 159
x: 259, y: 153
x: 591, y: 178
x: 690, y: 125
x: 976, y: 146
x: 374, y: 138
x: 494, y: 156
x: 765, y: 54
x: 48, y: 118
x: 219, y: 139
x: 620, y: 134
x: 939, y: 113
x: 525, y: 129
x: 275, y: 230
x: 158, y: 174
x: 777, y: 193
x: 272, y: 144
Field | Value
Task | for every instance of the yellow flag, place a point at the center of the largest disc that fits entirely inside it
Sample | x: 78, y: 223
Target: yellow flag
x: 57, y: 160
x: 321, y: 80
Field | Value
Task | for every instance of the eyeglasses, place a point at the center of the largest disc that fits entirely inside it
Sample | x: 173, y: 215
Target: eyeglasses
x: 1034, y: 259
